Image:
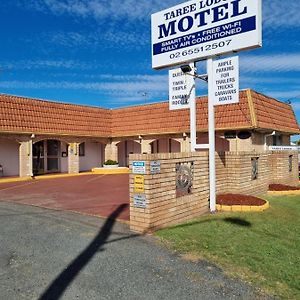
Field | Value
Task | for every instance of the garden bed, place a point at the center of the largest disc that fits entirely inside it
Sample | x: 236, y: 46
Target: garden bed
x: 238, y: 199
x: 239, y: 202
x: 282, y: 187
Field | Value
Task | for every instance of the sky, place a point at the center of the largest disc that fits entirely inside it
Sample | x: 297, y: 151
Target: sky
x: 98, y: 53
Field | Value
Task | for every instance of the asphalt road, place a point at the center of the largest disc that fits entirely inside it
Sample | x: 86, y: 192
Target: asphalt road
x: 47, y: 254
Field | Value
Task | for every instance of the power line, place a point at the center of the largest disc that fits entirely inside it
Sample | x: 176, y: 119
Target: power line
x: 289, y: 101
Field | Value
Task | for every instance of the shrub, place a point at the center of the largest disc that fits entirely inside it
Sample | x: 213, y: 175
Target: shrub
x: 111, y: 162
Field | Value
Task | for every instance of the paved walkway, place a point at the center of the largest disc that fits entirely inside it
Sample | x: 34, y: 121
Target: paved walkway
x: 47, y: 254
x: 97, y: 195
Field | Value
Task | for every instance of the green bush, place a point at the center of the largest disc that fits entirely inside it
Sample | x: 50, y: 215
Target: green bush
x: 111, y: 162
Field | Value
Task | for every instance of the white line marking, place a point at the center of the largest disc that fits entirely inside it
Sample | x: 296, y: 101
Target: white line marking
x: 17, y: 186
x: 95, y: 178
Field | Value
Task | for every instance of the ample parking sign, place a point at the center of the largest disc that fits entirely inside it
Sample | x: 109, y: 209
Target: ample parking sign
x: 226, y: 81
x: 201, y: 29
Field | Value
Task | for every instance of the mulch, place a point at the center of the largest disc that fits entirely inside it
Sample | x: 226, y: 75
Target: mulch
x: 282, y: 187
x: 238, y: 199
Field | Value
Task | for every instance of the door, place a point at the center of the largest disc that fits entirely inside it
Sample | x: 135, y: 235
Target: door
x: 53, y: 157
x: 38, y: 158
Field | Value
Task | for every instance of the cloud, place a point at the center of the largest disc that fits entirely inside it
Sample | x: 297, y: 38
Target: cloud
x: 99, y: 9
x: 107, y: 86
x: 276, y: 13
x: 265, y: 80
x: 271, y: 63
x: 46, y: 64
x: 113, y: 38
x: 125, y: 87
x: 293, y: 95
x: 279, y: 13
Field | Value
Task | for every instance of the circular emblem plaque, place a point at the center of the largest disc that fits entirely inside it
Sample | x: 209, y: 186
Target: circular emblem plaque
x: 184, y: 178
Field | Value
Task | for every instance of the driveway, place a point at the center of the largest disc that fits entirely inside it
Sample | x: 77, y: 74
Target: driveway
x: 97, y: 195
x: 46, y: 254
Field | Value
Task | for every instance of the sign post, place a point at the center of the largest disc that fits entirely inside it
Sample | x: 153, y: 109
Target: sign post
x: 193, y: 122
x: 211, y: 137
x: 198, y: 30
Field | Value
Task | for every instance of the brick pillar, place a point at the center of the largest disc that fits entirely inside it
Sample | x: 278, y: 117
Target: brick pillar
x: 146, y: 146
x: 25, y: 159
x: 73, y: 158
x: 111, y: 151
x: 185, y: 144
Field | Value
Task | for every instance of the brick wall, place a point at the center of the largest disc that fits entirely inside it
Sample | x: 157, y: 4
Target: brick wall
x: 279, y: 167
x: 163, y: 208
x: 233, y: 172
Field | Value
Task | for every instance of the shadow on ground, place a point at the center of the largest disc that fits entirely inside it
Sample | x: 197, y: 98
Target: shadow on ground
x: 56, y: 289
x: 235, y: 221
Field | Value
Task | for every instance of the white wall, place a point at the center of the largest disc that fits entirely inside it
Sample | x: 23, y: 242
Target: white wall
x: 9, y: 157
x: 93, y: 156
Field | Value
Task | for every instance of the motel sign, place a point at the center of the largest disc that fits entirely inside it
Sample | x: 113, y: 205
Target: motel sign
x: 200, y: 29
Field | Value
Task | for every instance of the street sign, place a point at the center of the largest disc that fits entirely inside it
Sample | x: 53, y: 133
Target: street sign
x: 201, y: 29
x: 226, y: 81
x: 139, y: 184
x: 180, y: 87
x: 139, y: 201
x: 155, y: 167
x: 139, y: 167
x: 284, y: 148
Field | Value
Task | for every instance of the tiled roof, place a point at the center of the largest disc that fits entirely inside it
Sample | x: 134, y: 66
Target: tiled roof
x: 273, y: 114
x: 157, y: 118
x: 18, y: 115
x: 255, y: 111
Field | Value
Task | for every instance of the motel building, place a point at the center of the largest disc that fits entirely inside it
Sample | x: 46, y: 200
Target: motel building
x: 39, y: 137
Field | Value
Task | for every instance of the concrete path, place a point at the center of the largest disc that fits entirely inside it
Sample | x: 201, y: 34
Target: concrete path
x: 47, y: 254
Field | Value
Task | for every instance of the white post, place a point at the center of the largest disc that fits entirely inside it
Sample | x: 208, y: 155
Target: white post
x: 193, y: 124
x: 30, y: 158
x: 211, y: 133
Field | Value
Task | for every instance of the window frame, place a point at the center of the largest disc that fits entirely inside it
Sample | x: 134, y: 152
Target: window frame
x: 254, y: 168
x: 290, y: 163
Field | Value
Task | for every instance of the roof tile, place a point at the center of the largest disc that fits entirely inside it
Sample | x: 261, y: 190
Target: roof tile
x: 19, y: 114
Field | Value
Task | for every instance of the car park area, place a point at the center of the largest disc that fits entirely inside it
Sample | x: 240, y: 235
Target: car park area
x: 97, y: 195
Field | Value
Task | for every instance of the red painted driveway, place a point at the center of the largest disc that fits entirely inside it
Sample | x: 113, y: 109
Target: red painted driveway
x: 96, y: 195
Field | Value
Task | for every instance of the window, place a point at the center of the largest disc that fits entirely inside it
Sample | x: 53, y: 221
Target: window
x: 230, y: 135
x: 277, y: 140
x: 82, y: 149
x: 254, y: 164
x: 290, y: 163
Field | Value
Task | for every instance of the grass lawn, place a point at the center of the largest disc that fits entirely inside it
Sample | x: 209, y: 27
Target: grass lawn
x: 262, y: 248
